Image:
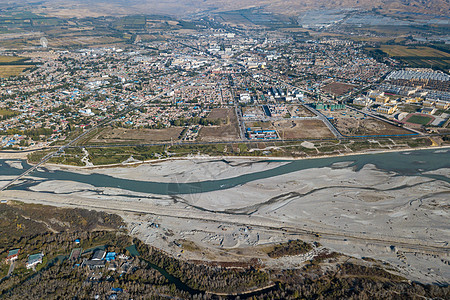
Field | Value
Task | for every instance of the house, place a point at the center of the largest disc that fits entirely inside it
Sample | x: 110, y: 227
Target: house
x: 92, y: 264
x: 98, y: 255
x: 245, y: 97
x: 13, y: 255
x: 34, y: 259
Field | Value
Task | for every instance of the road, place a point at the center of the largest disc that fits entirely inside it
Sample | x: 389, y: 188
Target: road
x: 11, y: 268
x: 383, y: 120
x: 104, y: 122
x: 325, y: 120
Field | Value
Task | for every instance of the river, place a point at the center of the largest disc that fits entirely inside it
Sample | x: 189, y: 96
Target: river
x: 404, y: 163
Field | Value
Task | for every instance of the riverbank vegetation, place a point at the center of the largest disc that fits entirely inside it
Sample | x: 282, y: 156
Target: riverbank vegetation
x: 290, y: 248
x: 141, y: 271
x: 99, y: 156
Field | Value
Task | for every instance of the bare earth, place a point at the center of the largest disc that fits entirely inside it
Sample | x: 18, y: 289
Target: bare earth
x: 133, y: 136
x: 366, y: 213
x: 298, y: 129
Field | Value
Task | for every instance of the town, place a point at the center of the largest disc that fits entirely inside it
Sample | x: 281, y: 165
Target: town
x: 224, y: 149
x: 257, y: 86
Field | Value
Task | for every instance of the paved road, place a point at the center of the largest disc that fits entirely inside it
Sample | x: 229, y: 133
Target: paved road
x: 325, y: 120
x: 104, y: 122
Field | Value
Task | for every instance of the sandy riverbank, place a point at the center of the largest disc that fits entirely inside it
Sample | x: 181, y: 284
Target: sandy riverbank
x: 360, y: 213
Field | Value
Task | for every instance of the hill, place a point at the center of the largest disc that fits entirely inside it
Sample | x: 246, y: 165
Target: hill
x: 185, y: 8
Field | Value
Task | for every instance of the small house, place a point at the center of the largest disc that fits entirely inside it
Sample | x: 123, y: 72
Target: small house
x: 34, y: 259
x: 13, y: 255
x: 98, y: 255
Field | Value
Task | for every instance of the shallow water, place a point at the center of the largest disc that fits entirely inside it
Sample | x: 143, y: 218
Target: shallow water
x: 406, y: 163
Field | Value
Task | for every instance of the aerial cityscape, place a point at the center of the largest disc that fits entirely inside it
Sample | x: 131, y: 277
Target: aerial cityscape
x: 224, y: 150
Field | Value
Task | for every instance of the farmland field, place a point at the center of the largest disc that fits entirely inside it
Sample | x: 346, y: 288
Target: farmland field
x: 12, y: 70
x: 9, y: 59
x: 404, y: 51
x: 7, y: 112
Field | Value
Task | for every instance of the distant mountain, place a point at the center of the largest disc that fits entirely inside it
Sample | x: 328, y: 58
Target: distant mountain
x: 79, y: 8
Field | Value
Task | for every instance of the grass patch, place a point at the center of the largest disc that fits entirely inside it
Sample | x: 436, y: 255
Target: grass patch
x: 422, y: 120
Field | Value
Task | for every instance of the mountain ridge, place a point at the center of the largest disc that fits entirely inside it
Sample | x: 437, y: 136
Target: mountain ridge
x: 184, y: 8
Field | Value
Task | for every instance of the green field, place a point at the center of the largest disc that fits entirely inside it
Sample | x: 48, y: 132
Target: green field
x: 10, y: 59
x: 415, y: 56
x: 404, y: 51
x: 421, y: 120
x: 7, y: 112
x: 11, y: 70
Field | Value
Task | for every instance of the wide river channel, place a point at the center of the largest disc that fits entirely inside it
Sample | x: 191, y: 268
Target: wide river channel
x: 405, y: 163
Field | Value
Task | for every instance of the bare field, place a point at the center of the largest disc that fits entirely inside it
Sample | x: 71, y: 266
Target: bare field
x: 369, y: 126
x: 221, y: 113
x: 219, y: 133
x: 338, y: 88
x: 298, y: 129
x: 136, y: 136
x: 299, y: 111
x: 228, y: 131
x: 396, y: 50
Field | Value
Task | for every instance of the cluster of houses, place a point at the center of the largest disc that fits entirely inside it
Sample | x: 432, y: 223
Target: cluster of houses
x: 98, y: 259
x: 257, y: 133
x: 32, y: 261
x: 387, y: 104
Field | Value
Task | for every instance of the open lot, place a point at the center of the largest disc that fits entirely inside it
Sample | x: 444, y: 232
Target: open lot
x: 227, y: 131
x: 136, y: 136
x: 298, y: 129
x: 338, y: 88
x: 253, y: 112
x: 264, y: 125
x: 299, y: 111
x: 366, y: 126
